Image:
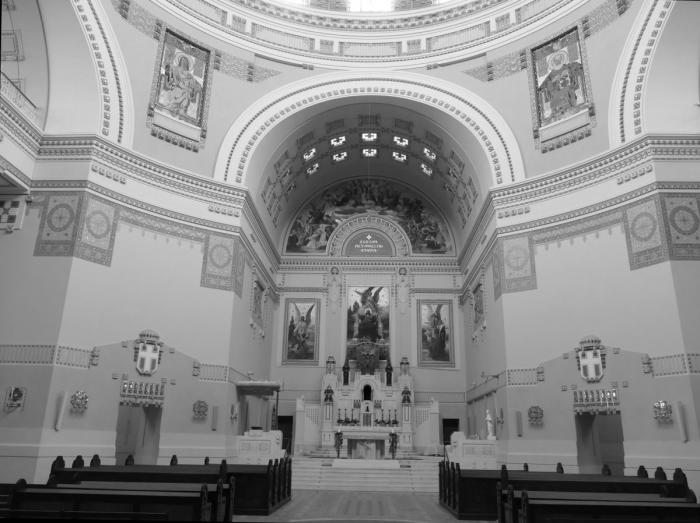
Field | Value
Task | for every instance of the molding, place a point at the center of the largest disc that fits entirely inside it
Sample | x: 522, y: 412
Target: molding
x: 603, y: 167
x: 626, y: 100
x: 488, y: 127
x: 116, y: 119
x: 296, y: 35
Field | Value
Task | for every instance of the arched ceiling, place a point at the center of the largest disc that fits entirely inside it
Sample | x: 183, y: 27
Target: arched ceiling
x: 368, y: 138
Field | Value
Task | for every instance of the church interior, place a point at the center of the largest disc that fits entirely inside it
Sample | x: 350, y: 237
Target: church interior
x: 351, y: 230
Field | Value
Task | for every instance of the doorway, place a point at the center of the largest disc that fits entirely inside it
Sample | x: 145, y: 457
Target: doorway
x: 449, y: 425
x: 286, y: 425
x: 599, y: 441
x: 138, y: 434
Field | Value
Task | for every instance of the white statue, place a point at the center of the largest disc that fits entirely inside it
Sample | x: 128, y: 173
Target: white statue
x: 490, y: 434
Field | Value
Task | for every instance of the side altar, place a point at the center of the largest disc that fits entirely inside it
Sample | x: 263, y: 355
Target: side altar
x: 363, y: 407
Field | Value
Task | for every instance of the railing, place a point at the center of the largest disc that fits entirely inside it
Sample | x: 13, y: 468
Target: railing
x: 596, y: 400
x: 19, y: 100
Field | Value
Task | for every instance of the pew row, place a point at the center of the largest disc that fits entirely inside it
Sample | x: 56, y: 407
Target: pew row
x: 32, y: 501
x: 259, y: 489
x: 555, y: 507
x: 472, y: 494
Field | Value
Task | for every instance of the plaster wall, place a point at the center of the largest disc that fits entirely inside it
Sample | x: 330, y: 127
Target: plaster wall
x: 33, y: 288
x: 153, y: 282
x: 585, y: 286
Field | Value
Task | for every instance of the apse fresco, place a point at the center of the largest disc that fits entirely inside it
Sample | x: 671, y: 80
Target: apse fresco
x: 183, y: 71
x: 320, y: 217
x: 559, y: 76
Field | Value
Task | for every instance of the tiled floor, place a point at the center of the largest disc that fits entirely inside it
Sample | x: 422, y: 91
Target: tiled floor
x: 334, y: 506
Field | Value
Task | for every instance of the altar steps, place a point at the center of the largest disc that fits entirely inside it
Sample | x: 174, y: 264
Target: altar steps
x: 415, y: 475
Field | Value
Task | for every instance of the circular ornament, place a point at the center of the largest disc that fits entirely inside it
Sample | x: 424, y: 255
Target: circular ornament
x: 684, y: 220
x: 220, y: 256
x: 643, y: 226
x: 60, y: 217
x: 98, y: 224
x: 516, y: 257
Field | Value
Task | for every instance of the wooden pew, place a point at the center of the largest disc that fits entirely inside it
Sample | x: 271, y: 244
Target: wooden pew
x: 592, y: 483
x: 609, y: 508
x: 217, y: 494
x: 91, y: 515
x: 472, y: 494
x: 189, y: 505
x: 514, y: 500
x: 259, y: 489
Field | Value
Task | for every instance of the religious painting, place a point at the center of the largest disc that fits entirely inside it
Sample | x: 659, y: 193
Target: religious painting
x: 422, y: 223
x: 368, y: 314
x: 435, y: 345
x: 559, y: 77
x: 301, y: 336
x: 182, y: 78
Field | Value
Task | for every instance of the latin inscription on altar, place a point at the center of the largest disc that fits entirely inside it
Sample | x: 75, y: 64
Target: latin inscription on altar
x: 368, y: 243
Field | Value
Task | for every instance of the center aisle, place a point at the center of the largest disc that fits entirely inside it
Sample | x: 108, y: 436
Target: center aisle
x: 338, y: 506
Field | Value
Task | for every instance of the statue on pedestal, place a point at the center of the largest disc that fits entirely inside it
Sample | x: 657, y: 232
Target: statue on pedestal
x: 490, y: 434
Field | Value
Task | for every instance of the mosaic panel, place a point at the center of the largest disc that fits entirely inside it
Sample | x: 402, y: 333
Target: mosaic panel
x: 11, y: 212
x: 59, y: 225
x: 238, y: 267
x: 496, y: 264
x: 218, y: 263
x: 683, y: 225
x: 179, y: 102
x: 561, y: 97
x: 518, y: 264
x: 97, y: 230
x: 646, y: 242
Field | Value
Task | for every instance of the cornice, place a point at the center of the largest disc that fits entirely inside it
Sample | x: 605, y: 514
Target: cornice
x: 303, y: 264
x: 254, y: 219
x: 133, y: 203
x: 596, y: 208
x: 134, y: 165
x: 601, y: 168
x: 284, y: 33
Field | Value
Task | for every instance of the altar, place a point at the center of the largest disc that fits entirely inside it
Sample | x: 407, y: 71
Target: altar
x: 364, y: 407
x: 366, y: 444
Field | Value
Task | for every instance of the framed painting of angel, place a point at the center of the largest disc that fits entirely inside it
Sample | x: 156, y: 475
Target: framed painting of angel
x: 301, y: 331
x: 435, y: 340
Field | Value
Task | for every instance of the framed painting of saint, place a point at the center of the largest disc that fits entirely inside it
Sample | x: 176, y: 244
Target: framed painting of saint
x: 301, y: 331
x: 435, y: 338
x: 368, y: 314
x: 562, y: 102
x: 181, y: 83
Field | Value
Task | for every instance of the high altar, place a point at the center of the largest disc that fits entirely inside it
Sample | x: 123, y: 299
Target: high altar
x: 364, y: 403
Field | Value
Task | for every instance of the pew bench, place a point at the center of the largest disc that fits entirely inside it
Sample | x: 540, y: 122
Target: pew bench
x: 513, y: 503
x: 548, y: 510
x: 91, y: 515
x: 259, y: 489
x: 472, y: 494
x: 218, y: 494
x: 188, y: 505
